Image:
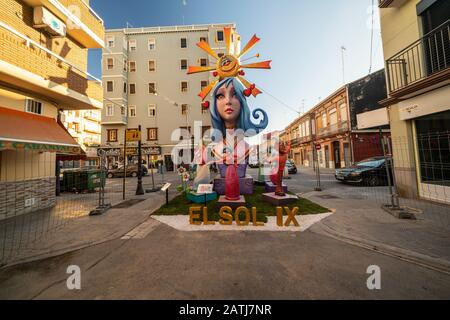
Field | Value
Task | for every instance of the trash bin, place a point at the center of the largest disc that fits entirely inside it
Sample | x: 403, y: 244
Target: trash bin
x: 95, y: 179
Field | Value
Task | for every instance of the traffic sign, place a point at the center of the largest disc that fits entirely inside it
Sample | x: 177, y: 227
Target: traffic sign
x: 318, y: 147
x: 133, y: 135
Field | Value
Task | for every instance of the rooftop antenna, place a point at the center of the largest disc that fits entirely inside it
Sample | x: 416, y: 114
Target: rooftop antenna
x: 343, y: 65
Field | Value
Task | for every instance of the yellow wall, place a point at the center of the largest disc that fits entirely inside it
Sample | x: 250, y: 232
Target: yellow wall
x: 399, y: 27
x: 16, y: 101
x: 18, y: 15
x: 26, y: 165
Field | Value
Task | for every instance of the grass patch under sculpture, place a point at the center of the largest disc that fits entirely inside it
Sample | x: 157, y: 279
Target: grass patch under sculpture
x: 180, y: 206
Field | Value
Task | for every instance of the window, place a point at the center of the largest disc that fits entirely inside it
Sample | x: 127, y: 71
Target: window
x: 124, y: 87
x: 184, y: 86
x: 110, y: 63
x: 132, y: 111
x: 151, y: 65
x: 132, y: 45
x: 220, y: 35
x: 343, y: 111
x: 203, y: 62
x: 184, y: 64
x: 122, y: 110
x: 184, y: 109
x: 132, y: 88
x: 125, y: 64
x: 132, y: 66
x: 152, y: 88
x: 183, y: 43
x: 112, y: 135
x: 152, y: 111
x: 33, y: 106
x: 110, y: 41
x: 203, y: 39
x: 109, y: 86
x: 333, y: 116
x: 152, y: 134
x: 203, y: 85
x: 324, y: 120
x: 151, y: 44
x: 109, y: 110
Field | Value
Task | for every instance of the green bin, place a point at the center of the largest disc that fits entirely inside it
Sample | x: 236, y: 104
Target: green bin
x: 95, y: 179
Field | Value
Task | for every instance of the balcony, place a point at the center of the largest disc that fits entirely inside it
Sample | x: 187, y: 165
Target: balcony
x: 83, y: 24
x: 333, y: 129
x: 115, y: 120
x: 422, y: 64
x: 28, y: 65
x: 391, y: 3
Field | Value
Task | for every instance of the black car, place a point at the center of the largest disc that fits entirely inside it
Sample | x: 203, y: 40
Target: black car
x: 370, y: 172
x: 290, y: 165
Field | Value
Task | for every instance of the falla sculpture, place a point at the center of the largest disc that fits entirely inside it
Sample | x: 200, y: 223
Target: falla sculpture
x: 230, y: 114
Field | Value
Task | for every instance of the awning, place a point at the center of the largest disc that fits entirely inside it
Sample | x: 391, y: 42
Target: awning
x: 27, y: 131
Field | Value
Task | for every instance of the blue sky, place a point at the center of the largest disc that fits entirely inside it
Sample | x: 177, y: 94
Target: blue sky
x: 302, y: 37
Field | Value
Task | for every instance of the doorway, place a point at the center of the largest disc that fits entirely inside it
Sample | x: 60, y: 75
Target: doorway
x: 337, y: 154
x: 327, y: 157
x: 168, y: 162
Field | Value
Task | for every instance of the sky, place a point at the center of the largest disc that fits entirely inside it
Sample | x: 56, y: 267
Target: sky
x: 303, y: 38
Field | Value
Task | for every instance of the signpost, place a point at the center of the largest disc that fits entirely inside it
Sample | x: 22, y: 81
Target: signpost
x: 166, y: 189
x: 137, y: 135
x: 318, y: 187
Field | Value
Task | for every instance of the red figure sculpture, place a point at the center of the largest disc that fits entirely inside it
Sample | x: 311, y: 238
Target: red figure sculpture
x: 232, y: 191
x: 277, y: 178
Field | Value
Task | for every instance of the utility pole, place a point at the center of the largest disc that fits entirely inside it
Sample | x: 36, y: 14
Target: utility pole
x: 343, y: 64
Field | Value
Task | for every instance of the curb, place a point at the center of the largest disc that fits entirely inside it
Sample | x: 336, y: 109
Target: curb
x: 436, y: 264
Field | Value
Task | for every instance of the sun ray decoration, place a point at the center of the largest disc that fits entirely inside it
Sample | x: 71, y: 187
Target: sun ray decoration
x: 229, y: 65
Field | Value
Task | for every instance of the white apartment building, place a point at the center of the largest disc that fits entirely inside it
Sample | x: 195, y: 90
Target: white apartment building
x: 146, y: 83
x: 84, y: 126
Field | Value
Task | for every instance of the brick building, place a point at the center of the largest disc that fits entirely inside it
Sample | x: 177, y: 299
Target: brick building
x: 333, y: 124
x: 43, y: 72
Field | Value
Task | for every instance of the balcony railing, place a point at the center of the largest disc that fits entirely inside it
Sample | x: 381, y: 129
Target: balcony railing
x: 333, y: 129
x: 19, y: 50
x: 423, y: 58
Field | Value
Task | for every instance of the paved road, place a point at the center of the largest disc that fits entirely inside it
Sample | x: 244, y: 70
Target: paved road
x: 169, y: 264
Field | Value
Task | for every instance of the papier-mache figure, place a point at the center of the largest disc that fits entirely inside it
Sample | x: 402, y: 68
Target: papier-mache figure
x: 230, y: 115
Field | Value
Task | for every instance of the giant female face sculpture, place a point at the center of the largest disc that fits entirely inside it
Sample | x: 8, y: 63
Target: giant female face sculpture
x: 230, y: 110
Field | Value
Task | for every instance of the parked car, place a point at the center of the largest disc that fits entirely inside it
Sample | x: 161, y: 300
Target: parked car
x: 132, y: 171
x: 370, y: 172
x: 254, y: 165
x: 290, y: 165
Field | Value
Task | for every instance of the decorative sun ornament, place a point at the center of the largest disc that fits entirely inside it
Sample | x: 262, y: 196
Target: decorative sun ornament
x: 229, y: 66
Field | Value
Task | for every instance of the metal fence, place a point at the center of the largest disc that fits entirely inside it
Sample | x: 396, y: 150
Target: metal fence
x: 410, y: 177
x: 30, y: 207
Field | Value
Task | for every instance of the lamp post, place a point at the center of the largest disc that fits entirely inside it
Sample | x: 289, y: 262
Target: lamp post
x: 139, y: 189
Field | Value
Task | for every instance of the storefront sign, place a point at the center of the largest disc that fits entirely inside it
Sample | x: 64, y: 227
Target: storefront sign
x: 11, y: 145
x: 131, y: 151
x: 433, y: 102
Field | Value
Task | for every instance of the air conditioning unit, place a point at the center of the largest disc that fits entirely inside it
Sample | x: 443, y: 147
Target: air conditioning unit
x: 44, y: 19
